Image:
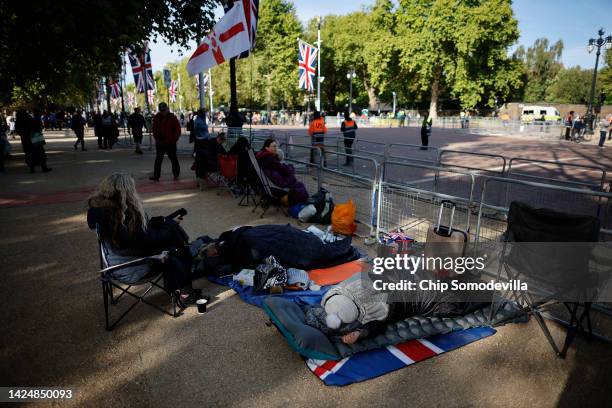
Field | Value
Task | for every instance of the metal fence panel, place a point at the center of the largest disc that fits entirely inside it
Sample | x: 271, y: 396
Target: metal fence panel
x: 555, y: 172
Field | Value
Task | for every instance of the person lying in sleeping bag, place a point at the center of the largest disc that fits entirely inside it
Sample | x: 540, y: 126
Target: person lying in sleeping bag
x: 355, y: 310
x: 247, y: 247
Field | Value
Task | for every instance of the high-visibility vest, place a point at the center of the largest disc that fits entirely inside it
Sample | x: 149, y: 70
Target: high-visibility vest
x: 317, y: 127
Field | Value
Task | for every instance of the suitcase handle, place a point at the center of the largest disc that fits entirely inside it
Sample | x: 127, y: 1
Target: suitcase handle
x: 450, y: 225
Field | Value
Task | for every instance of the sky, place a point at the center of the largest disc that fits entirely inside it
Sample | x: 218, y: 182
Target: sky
x: 574, y: 22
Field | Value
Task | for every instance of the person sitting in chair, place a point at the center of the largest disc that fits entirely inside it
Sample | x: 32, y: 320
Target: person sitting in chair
x: 207, y: 154
x: 282, y: 175
x: 116, y: 210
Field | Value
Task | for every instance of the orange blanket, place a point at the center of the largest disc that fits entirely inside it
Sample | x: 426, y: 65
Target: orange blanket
x: 335, y: 274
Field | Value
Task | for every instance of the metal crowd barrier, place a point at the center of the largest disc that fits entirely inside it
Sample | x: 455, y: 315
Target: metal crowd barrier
x: 592, y: 177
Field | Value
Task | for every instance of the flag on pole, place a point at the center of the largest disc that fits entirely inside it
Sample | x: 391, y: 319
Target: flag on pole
x: 131, y: 99
x: 198, y: 83
x: 151, y: 96
x: 173, y: 90
x: 307, y: 67
x: 251, y: 14
x: 142, y: 62
x: 115, y: 90
x: 101, y: 91
x: 228, y: 38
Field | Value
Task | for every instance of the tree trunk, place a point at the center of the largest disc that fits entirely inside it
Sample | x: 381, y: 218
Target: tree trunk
x: 372, y: 100
x: 435, y: 91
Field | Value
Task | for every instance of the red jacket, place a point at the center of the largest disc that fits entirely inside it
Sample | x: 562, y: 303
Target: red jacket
x: 166, y: 129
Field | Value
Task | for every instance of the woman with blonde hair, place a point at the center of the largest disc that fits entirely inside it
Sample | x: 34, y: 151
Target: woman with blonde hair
x: 117, y: 212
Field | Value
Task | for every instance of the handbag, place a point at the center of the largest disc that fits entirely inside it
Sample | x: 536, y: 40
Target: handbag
x: 37, y: 138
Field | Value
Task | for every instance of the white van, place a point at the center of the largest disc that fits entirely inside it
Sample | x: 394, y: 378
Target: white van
x: 534, y: 112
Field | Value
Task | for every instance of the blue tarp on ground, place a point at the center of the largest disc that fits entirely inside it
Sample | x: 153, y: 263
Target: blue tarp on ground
x: 301, y: 297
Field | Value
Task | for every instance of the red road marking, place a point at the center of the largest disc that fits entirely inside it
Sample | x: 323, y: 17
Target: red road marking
x: 71, y: 196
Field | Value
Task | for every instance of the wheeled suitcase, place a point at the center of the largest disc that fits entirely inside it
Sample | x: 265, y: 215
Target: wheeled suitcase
x: 444, y: 242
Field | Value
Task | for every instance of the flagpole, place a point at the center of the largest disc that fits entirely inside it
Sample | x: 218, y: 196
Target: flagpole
x: 319, y: 64
x: 122, y: 88
x: 210, y: 95
x: 145, y: 81
x: 178, y: 91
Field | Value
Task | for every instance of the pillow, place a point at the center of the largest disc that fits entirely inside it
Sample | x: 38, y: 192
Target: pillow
x: 306, y: 340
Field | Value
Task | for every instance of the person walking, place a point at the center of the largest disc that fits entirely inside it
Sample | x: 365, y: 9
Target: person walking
x: 609, y: 118
x: 32, y: 140
x: 166, y: 131
x: 4, y: 143
x: 425, y: 132
x: 568, y: 122
x: 109, y: 130
x: 348, y: 129
x: 317, y: 131
x: 136, y: 122
x: 97, y: 125
x: 78, y: 125
x: 604, y: 125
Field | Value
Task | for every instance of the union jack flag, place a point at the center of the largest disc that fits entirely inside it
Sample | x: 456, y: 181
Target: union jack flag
x: 115, y: 90
x: 151, y: 96
x: 173, y: 90
x: 373, y: 363
x: 139, y: 62
x: 251, y: 12
x: 307, y: 65
x: 131, y: 99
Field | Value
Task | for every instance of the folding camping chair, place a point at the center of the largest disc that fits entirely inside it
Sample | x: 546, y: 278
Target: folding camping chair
x: 110, y: 282
x: 535, y: 251
x: 228, y: 171
x: 269, y: 193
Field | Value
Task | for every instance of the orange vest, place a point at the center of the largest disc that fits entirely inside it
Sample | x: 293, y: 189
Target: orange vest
x: 317, y: 126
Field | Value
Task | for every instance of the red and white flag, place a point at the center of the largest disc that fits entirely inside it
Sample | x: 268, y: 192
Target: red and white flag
x: 173, y: 90
x: 228, y: 38
x: 151, y: 96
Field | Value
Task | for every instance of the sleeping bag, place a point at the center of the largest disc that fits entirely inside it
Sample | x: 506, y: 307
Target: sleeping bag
x: 247, y: 247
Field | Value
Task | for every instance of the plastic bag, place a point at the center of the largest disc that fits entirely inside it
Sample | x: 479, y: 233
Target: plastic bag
x: 270, y: 274
x: 343, y: 218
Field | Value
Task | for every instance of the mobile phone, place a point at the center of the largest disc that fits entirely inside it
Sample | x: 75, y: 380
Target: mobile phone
x: 178, y: 213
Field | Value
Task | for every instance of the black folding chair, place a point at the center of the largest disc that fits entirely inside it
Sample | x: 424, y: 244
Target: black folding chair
x: 536, y: 251
x: 110, y: 281
x: 269, y: 193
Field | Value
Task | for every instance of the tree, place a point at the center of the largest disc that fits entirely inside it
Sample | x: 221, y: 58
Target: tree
x: 461, y: 46
x: 543, y: 64
x: 605, y: 77
x: 572, y: 85
x: 51, y: 52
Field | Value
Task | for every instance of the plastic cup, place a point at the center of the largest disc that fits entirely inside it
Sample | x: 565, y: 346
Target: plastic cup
x: 201, y: 304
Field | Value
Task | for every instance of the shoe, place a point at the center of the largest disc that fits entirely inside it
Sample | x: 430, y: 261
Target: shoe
x: 47, y: 169
x: 152, y: 178
x: 176, y: 178
x: 183, y: 301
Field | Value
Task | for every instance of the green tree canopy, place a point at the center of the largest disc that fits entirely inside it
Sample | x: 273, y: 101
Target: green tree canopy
x: 53, y: 51
x: 461, y: 46
x: 542, y: 64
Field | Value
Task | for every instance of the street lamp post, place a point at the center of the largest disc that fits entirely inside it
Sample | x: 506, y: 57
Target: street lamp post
x: 394, y: 100
x: 592, y: 44
x: 350, y: 76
